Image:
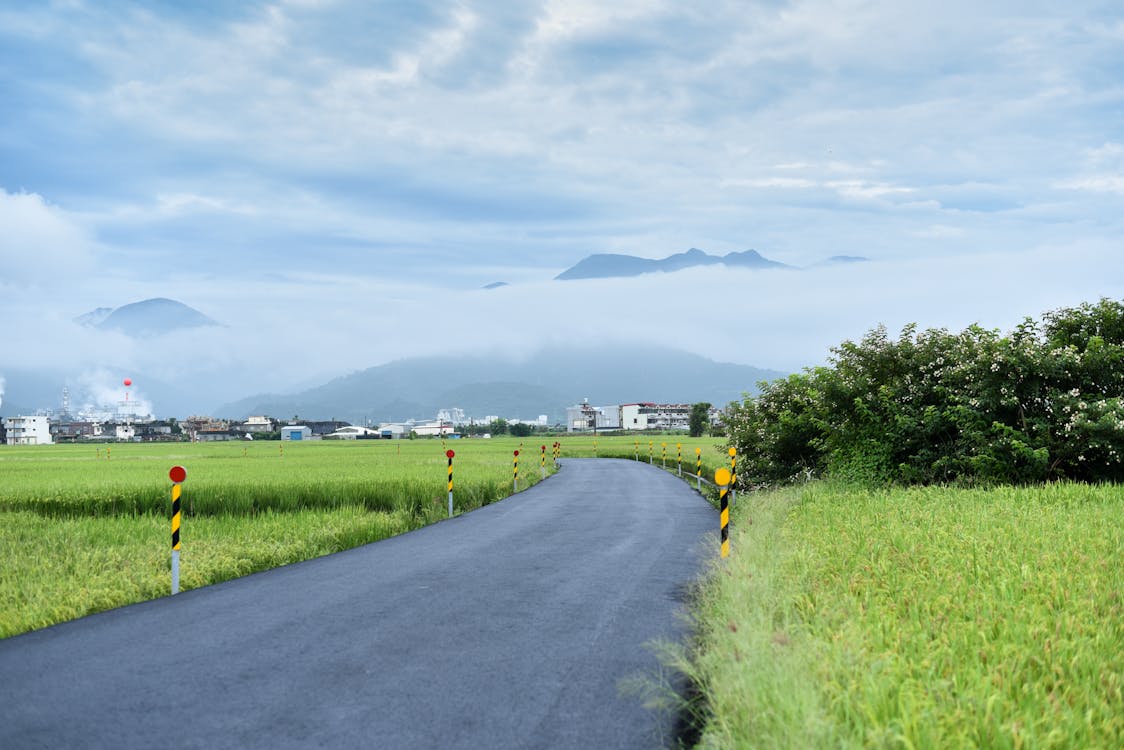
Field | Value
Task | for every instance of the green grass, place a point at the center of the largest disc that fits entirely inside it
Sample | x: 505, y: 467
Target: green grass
x: 916, y: 618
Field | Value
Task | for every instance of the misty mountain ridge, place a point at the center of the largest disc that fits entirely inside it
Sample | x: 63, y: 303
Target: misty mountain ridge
x: 611, y: 265
x: 482, y: 385
x: 150, y: 317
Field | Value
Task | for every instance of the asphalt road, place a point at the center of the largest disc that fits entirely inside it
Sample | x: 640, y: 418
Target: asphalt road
x: 508, y: 627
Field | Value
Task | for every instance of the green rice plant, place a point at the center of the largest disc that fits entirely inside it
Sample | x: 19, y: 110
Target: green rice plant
x: 917, y: 618
x: 56, y: 569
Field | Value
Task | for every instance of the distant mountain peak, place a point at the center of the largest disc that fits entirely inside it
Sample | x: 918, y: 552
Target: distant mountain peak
x: 150, y: 317
x: 495, y: 285
x: 613, y: 265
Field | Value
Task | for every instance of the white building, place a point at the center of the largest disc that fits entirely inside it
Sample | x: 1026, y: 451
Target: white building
x: 28, y: 430
x: 649, y: 416
x: 437, y: 428
x: 296, y: 432
x: 352, y: 432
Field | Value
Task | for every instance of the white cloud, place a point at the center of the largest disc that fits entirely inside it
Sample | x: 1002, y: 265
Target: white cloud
x: 40, y: 243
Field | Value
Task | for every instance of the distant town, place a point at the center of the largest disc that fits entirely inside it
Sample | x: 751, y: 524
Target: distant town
x: 125, y: 423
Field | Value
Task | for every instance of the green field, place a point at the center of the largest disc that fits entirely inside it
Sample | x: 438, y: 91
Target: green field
x: 916, y: 618
x: 84, y: 528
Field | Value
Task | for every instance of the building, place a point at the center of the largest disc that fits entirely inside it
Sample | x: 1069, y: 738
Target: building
x: 586, y: 418
x: 296, y: 432
x: 28, y: 430
x: 650, y: 416
x: 436, y: 428
x: 258, y: 424
x: 393, y: 430
x: 351, y: 432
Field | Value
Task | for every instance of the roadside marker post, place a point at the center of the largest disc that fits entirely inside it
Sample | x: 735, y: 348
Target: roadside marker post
x: 449, y: 453
x: 636, y: 448
x: 733, y: 475
x: 679, y: 457
x: 698, y: 469
x: 649, y: 451
x: 722, y: 479
x: 663, y: 456
x: 516, y: 465
x: 542, y: 468
x: 177, y: 474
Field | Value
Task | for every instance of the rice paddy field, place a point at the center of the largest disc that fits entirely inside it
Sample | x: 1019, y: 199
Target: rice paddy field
x: 84, y: 528
x: 916, y: 618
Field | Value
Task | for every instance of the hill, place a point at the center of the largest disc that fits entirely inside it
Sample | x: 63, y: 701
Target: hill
x: 610, y: 265
x: 546, y: 383
x: 150, y: 317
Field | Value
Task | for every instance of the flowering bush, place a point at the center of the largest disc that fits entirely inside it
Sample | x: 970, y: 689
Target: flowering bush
x: 1043, y: 402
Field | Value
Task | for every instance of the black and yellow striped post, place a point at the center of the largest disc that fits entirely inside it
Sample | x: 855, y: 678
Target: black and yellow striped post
x: 679, y: 458
x: 698, y: 469
x: 663, y: 455
x: 516, y: 467
x: 177, y: 475
x: 722, y: 479
x: 449, y: 454
x: 733, y: 475
x: 557, y: 445
x: 649, y: 451
x: 636, y: 448
x: 542, y: 468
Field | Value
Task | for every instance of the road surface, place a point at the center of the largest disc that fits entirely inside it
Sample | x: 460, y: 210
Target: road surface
x: 508, y: 627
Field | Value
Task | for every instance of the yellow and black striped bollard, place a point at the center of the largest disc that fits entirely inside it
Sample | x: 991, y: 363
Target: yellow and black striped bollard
x: 177, y: 475
x: 516, y: 467
x: 449, y: 453
x: 722, y: 479
x: 663, y: 455
x: 698, y: 468
x: 636, y: 448
x: 542, y: 466
x: 733, y: 476
x: 679, y: 458
x: 649, y: 451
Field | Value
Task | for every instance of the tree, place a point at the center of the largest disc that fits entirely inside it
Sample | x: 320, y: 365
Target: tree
x: 699, y: 419
x: 521, y: 430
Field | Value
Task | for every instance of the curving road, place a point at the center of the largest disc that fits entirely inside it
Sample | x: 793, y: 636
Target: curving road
x: 508, y: 627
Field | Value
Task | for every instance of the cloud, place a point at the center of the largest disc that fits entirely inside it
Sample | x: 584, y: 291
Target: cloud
x: 40, y: 243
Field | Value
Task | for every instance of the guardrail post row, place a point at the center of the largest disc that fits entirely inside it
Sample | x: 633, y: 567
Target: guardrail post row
x: 722, y: 479
x: 177, y: 475
x: 449, y: 453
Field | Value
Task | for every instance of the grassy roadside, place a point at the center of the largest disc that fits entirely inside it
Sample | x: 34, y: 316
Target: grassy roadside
x: 927, y: 617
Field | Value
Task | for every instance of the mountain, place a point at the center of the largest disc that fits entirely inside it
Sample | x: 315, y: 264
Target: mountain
x: 148, y: 317
x: 546, y: 383
x: 495, y: 285
x: 609, y: 265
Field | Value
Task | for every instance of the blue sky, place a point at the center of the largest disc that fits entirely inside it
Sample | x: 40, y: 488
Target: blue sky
x: 260, y: 158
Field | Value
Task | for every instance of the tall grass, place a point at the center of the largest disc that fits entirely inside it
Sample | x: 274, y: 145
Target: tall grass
x: 917, y: 618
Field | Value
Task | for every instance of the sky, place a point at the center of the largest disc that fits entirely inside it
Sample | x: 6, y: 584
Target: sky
x: 336, y: 181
